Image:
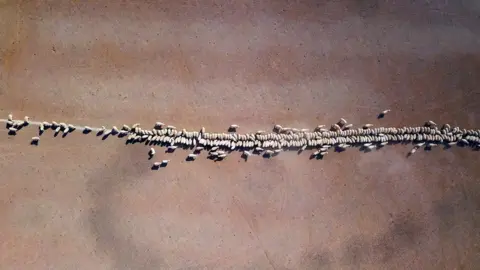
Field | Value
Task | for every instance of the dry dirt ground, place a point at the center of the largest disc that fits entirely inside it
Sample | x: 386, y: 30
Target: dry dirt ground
x: 83, y: 203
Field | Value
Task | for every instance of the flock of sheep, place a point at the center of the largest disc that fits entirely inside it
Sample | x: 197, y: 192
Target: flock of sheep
x: 321, y: 140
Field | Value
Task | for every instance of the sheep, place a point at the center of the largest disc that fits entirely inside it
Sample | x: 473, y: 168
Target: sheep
x: 87, y: 129
x: 383, y: 113
x: 414, y: 149
x: 286, y: 130
x: 430, y: 123
x: 46, y: 124
x: 233, y: 127
x: 18, y: 124
x: 347, y: 127
x: 268, y: 153
x: 367, y: 126
x: 151, y: 153
x: 342, y: 122
x: 10, y: 117
x: 115, y: 130
x: 159, y: 125
x: 222, y: 156
x: 26, y: 121
x: 12, y: 131
x: 35, y: 140
x: 171, y: 148
x: 107, y: 133
x: 171, y: 127
x: 335, y: 127
x: 71, y: 127
x: 165, y: 162
x: 157, y: 164
x: 191, y: 157
x: 198, y: 148
x: 136, y: 125
x: 41, y: 128
x: 260, y: 132
x: 277, y: 127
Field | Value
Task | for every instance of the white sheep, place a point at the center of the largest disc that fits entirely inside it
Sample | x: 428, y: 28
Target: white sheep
x: 35, y: 140
x: 383, y: 113
x: 347, y: 127
x: 335, y: 127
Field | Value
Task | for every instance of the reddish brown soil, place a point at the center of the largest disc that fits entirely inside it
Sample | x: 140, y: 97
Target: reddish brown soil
x: 83, y: 203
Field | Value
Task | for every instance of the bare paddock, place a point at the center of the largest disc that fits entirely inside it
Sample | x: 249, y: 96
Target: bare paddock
x: 293, y: 78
